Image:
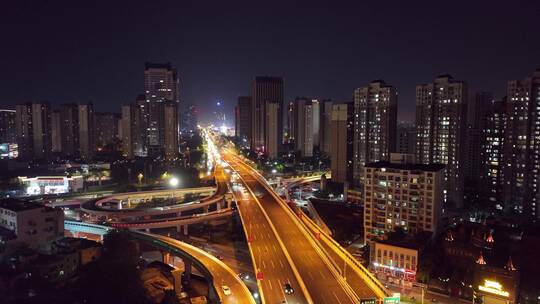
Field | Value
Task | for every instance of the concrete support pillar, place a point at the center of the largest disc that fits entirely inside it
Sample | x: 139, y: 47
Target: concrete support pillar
x: 218, y: 205
x: 147, y: 230
x: 166, y: 257
x: 205, y: 208
x: 179, y: 228
x: 185, y: 229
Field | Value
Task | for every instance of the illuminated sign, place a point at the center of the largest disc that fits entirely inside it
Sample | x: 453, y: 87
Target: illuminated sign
x: 368, y: 301
x: 493, y: 287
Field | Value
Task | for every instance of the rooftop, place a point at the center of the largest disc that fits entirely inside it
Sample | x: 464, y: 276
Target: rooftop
x: 16, y: 205
x: 400, y: 166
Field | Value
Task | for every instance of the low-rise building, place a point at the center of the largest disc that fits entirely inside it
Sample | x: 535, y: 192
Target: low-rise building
x: 395, y: 262
x: 29, y: 223
x: 40, y: 185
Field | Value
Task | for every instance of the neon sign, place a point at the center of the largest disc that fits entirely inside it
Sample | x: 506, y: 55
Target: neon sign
x: 493, y: 287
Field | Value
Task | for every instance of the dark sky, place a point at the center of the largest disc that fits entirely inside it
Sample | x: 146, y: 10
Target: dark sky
x: 69, y: 51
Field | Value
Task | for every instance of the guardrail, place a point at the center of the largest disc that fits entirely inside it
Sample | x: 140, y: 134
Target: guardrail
x: 375, y: 285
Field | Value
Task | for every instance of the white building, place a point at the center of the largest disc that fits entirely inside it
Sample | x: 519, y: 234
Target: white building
x: 40, y: 185
x: 29, y: 223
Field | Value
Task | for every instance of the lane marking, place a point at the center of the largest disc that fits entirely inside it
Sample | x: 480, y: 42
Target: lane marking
x: 336, y: 297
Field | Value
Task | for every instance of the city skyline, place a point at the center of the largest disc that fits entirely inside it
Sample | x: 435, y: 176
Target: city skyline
x: 405, y: 50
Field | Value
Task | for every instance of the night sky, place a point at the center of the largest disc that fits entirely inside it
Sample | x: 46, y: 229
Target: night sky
x: 74, y: 51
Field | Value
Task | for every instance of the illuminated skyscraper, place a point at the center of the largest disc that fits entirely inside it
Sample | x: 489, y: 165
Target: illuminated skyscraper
x: 522, y: 146
x: 161, y: 85
x: 340, y: 141
x: 375, y: 115
x: 441, y: 118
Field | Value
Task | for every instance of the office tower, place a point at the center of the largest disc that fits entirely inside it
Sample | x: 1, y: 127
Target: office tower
x: 8, y: 135
x: 406, y: 138
x: 266, y: 93
x: 106, y: 130
x: 474, y: 140
x: 521, y: 173
x: 492, y: 154
x: 401, y: 194
x: 325, y: 125
x: 375, y: 118
x: 340, y: 141
x: 33, y: 125
x: 86, y: 131
x: 69, y: 120
x: 161, y: 85
x: 304, y: 126
x: 133, y: 130
x: 272, y: 134
x: 56, y: 132
x: 440, y: 131
x: 243, y: 117
x: 170, y: 128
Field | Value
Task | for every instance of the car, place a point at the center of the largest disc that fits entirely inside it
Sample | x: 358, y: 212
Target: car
x: 288, y: 288
x: 259, y: 195
x: 219, y: 257
x: 226, y: 290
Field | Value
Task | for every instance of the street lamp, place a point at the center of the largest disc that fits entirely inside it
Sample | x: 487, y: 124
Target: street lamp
x: 174, y: 181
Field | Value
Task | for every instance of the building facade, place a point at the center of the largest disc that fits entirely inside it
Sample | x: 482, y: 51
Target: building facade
x: 86, y: 131
x: 304, y: 121
x: 375, y: 118
x: 441, y: 117
x: 33, y: 127
x: 133, y: 131
x: 8, y: 134
x: 106, y: 130
x: 405, y: 138
x: 69, y: 121
x: 405, y: 195
x: 325, y: 120
x: 522, y: 143
x: 341, y: 129
x: 161, y: 85
x: 267, y: 93
x: 243, y: 117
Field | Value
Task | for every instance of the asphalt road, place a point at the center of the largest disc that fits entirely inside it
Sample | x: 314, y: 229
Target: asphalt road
x: 268, y: 255
x: 222, y: 274
x: 321, y: 282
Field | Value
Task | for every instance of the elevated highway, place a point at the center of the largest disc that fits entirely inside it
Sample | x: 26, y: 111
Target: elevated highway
x: 214, y: 271
x: 318, y: 263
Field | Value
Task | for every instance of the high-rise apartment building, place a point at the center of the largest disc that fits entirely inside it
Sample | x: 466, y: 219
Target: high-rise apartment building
x: 106, y: 129
x: 170, y: 129
x: 86, y: 131
x: 474, y: 141
x: 33, y: 125
x: 401, y: 194
x: 325, y: 120
x: 133, y: 130
x: 522, y: 146
x: 304, y: 121
x: 375, y: 118
x: 340, y: 137
x: 492, y: 154
x: 161, y: 85
x: 56, y: 132
x: 243, y: 117
x: 289, y: 130
x: 69, y: 121
x: 267, y: 93
x: 8, y: 135
x: 441, y: 110
x: 272, y: 135
x: 405, y: 138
